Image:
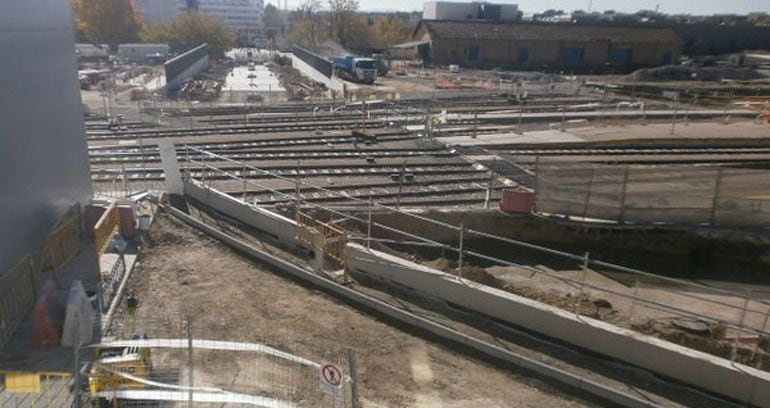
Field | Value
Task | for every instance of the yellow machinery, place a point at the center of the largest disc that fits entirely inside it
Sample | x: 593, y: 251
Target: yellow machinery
x: 108, y: 365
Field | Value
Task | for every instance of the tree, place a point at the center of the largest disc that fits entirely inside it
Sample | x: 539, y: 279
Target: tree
x: 192, y: 29
x: 272, y: 21
x: 346, y: 26
x: 390, y: 31
x: 107, y: 21
x: 307, y: 25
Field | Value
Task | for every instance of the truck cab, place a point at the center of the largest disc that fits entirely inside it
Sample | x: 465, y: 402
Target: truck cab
x: 366, y: 70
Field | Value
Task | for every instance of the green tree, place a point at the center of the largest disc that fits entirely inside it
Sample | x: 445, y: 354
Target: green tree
x: 346, y: 26
x: 192, y: 29
x: 107, y: 21
x: 272, y: 21
x: 307, y: 25
x: 389, y: 31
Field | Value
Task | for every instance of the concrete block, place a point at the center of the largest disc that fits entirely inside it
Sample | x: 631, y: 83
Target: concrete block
x: 79, y: 317
x: 699, y: 369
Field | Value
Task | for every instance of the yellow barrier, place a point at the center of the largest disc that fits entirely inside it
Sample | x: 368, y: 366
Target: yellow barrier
x: 63, y: 242
x: 105, y: 228
x: 17, y: 296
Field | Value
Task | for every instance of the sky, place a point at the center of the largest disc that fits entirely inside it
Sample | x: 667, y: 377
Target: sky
x: 532, y: 6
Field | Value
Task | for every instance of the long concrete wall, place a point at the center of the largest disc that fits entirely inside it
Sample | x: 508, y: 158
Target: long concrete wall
x: 699, y: 369
x: 282, y: 229
x: 332, y: 83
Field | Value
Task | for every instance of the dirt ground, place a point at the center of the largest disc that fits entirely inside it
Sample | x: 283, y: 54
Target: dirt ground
x: 233, y: 298
x: 564, y: 289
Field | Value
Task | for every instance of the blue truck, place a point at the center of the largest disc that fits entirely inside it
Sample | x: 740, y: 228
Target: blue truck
x: 356, y: 69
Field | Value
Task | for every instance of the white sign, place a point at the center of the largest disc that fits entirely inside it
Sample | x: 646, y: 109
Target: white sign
x: 331, y: 380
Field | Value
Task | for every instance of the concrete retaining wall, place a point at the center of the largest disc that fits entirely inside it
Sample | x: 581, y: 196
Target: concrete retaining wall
x: 333, y: 83
x: 702, y: 370
x: 282, y: 229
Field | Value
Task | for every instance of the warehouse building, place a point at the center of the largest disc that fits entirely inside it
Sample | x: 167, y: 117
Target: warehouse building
x: 542, y: 46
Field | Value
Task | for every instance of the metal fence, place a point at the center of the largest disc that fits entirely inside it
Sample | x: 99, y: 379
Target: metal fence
x: 219, y: 368
x: 668, y: 194
x: 740, y: 313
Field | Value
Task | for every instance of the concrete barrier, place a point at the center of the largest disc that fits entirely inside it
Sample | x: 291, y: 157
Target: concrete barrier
x: 332, y: 83
x: 701, y: 370
x: 280, y: 228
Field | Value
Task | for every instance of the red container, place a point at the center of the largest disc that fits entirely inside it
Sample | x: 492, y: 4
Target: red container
x: 517, y: 201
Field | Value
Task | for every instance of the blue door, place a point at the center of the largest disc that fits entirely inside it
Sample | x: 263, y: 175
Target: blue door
x: 573, y: 56
x: 473, y: 53
x: 620, y: 56
x: 668, y: 58
x: 522, y: 57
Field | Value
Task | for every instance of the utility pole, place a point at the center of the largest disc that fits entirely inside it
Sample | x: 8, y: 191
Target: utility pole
x: 188, y: 319
x: 352, y: 367
x: 400, y: 185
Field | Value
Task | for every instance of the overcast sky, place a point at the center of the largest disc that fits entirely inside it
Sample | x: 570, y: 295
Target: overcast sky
x: 531, y: 6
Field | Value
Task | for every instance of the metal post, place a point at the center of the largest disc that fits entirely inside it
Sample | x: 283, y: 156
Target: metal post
x: 488, y: 195
x: 588, y: 193
x: 297, y: 196
x: 144, y: 166
x: 715, y: 202
x: 352, y: 367
x: 521, y: 114
x: 369, y: 223
x: 76, y: 367
x: 563, y: 120
x: 400, y: 185
x: 475, y: 122
x: 125, y: 180
x: 673, y: 124
x: 746, y: 300
x: 460, y: 252
x: 243, y: 176
x: 756, y: 345
x: 188, y: 319
x: 633, y: 301
x: 622, y: 216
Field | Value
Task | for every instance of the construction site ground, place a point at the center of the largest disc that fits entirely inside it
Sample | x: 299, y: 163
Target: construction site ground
x: 389, y: 358
x: 237, y: 299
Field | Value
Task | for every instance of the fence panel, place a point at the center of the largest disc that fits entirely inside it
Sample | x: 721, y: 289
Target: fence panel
x: 672, y: 194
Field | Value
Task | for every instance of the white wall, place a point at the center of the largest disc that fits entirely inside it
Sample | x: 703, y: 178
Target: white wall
x: 696, y: 368
x: 280, y: 227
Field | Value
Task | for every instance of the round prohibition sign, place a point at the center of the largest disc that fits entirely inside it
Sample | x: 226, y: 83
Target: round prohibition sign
x: 332, y: 375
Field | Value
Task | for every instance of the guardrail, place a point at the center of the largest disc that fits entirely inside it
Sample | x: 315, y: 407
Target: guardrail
x: 681, y: 302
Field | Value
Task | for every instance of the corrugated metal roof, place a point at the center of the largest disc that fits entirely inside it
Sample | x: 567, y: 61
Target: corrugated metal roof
x: 498, y: 30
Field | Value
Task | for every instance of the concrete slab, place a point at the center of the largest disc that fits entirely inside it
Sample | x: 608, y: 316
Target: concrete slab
x: 259, y: 80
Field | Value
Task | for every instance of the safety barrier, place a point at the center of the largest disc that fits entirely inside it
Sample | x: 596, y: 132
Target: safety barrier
x: 333, y: 243
x: 17, y: 295
x: 105, y: 228
x: 63, y: 242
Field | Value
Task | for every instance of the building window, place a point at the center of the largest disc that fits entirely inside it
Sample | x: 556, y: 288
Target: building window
x: 474, y: 53
x: 573, y: 56
x: 522, y: 56
x: 620, y: 55
x: 668, y: 58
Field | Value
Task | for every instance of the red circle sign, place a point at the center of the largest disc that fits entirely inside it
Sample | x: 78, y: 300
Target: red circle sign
x: 331, y: 375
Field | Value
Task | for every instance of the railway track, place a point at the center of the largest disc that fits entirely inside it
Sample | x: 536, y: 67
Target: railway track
x: 208, y: 131
x: 653, y: 150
